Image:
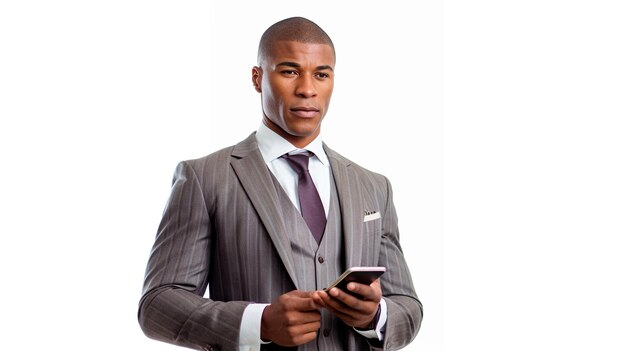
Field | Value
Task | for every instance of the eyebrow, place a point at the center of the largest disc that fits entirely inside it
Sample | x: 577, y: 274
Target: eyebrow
x: 297, y: 65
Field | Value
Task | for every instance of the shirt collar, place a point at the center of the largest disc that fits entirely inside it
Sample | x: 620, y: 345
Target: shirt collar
x: 272, y: 145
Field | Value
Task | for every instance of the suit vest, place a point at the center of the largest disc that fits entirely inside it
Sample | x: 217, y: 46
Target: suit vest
x: 317, y: 266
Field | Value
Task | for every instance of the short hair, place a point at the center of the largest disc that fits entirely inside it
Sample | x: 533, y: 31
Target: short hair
x: 297, y: 29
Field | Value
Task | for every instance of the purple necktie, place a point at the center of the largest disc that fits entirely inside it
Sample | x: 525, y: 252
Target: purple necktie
x: 310, y: 204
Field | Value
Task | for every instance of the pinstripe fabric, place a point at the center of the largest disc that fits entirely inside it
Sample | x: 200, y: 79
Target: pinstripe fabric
x: 222, y: 229
x: 376, y: 243
x: 318, y: 265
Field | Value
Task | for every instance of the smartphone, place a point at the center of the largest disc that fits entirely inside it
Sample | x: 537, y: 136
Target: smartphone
x: 362, y: 275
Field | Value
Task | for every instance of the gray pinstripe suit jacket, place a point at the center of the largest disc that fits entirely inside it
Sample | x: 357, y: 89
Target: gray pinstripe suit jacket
x: 221, y: 228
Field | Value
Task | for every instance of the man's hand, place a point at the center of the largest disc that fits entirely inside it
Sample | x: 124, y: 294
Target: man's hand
x: 292, y: 319
x: 353, y: 311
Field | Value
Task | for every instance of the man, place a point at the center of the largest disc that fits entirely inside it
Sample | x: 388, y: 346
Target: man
x: 238, y: 222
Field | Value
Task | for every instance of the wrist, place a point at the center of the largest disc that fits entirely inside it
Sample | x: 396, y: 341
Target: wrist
x: 372, y: 324
x: 263, y: 332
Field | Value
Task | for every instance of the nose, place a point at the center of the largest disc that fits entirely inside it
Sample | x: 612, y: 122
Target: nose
x: 306, y: 87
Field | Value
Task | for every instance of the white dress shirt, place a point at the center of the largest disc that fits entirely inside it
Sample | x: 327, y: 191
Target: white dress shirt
x: 272, y: 147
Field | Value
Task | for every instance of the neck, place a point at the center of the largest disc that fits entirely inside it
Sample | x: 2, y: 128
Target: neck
x: 296, y: 140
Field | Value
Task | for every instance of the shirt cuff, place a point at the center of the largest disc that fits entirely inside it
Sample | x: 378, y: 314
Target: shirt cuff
x: 250, y: 330
x: 379, y: 332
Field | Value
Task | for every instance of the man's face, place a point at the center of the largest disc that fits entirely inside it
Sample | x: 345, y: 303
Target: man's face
x: 296, y: 82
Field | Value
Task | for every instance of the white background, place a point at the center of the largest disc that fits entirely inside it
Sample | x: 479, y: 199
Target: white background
x: 511, y: 113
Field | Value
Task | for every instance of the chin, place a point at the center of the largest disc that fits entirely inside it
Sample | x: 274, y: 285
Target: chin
x: 306, y: 127
x: 304, y: 132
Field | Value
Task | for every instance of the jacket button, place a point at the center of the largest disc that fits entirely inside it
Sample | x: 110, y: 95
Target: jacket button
x: 320, y: 259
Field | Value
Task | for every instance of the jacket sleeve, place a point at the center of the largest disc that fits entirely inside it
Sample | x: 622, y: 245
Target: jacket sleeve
x: 172, y: 307
x: 404, y: 309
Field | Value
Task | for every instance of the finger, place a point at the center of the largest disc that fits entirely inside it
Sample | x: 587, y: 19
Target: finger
x: 304, y: 328
x: 300, y: 330
x: 300, y: 293
x: 304, y: 338
x: 298, y: 334
x: 317, y: 298
x: 301, y: 302
x: 332, y: 303
x: 352, y: 315
x: 365, y: 291
x: 368, y: 292
x: 346, y: 304
x: 302, y: 318
x: 344, y: 297
x: 348, y: 315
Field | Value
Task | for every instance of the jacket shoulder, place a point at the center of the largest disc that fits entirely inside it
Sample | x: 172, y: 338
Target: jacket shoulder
x: 222, y: 156
x: 357, y: 169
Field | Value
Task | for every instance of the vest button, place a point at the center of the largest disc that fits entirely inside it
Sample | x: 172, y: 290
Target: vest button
x: 326, y: 332
x: 320, y: 259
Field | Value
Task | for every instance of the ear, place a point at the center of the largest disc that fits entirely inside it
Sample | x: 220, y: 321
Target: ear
x: 257, y: 75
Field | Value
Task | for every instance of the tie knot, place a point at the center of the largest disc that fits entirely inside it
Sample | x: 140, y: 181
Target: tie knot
x: 299, y: 162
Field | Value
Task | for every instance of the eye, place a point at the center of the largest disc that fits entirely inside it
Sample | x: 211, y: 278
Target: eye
x: 289, y: 72
x: 322, y: 75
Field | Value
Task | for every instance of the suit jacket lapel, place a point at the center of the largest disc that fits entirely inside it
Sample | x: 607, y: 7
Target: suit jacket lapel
x: 256, y: 180
x: 351, y: 203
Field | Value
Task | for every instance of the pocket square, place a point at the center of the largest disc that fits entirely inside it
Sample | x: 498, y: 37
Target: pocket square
x: 370, y: 216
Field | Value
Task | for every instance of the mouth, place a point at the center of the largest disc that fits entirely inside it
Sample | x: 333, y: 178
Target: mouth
x: 305, y: 111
